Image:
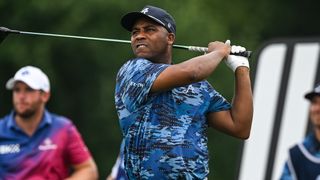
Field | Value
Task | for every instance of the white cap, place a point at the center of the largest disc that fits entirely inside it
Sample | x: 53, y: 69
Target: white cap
x: 32, y: 76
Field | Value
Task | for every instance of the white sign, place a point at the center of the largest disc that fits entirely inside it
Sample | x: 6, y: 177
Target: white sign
x: 285, y: 71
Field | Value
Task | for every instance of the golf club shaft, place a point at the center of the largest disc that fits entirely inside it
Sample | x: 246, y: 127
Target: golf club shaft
x: 75, y: 37
x: 190, y: 48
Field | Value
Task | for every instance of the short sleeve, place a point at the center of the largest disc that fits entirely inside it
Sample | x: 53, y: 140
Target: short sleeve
x: 218, y: 102
x: 77, y: 151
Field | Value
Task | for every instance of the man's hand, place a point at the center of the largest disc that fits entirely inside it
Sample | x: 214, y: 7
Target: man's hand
x: 234, y: 61
x: 221, y: 48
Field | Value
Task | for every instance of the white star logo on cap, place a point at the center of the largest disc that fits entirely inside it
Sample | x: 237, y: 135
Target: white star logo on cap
x: 25, y: 72
x: 145, y: 10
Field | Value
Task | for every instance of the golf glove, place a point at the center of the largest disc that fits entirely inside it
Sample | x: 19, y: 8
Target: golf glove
x: 233, y: 61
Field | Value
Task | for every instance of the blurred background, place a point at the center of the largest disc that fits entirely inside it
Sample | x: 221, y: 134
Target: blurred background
x: 83, y: 72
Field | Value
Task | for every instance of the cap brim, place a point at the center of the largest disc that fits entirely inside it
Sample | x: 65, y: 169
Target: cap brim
x: 128, y: 20
x: 10, y: 84
x: 311, y: 95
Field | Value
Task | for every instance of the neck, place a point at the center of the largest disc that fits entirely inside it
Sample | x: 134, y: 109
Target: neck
x: 30, y: 124
x: 165, y: 57
x: 168, y: 56
x: 163, y: 60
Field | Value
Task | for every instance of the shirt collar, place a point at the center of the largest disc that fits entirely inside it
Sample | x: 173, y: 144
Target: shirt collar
x: 46, y: 120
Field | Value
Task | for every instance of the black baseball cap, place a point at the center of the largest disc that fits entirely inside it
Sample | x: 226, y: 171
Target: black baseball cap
x: 314, y: 92
x: 156, y: 14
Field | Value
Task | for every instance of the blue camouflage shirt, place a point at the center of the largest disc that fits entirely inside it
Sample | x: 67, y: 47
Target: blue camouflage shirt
x: 164, y: 133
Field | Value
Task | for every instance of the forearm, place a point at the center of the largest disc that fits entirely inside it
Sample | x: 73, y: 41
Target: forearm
x: 201, y: 67
x: 242, y: 104
x: 192, y: 70
x: 187, y: 72
x: 84, y: 174
x: 86, y: 171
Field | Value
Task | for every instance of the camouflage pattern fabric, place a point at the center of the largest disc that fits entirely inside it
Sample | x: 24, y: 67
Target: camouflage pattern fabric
x: 164, y: 133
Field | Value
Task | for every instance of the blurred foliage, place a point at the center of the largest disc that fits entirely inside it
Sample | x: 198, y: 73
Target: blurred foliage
x: 82, y: 72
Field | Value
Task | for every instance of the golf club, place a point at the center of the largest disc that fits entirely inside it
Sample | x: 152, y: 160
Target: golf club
x: 5, y: 31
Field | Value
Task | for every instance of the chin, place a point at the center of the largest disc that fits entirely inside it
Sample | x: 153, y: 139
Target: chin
x: 142, y: 54
x: 25, y: 114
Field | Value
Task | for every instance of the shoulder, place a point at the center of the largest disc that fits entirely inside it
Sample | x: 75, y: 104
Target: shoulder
x: 135, y: 64
x: 139, y: 64
x: 138, y: 61
x: 310, y: 141
x: 135, y: 61
x: 4, y: 122
x: 7, y: 119
x: 139, y: 69
x: 4, y: 118
x: 58, y: 120
x: 294, y: 147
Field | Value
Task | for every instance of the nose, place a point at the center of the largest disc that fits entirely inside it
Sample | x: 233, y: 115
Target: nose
x: 139, y: 35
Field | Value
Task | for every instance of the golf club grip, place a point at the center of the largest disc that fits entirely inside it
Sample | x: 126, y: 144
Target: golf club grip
x: 246, y: 54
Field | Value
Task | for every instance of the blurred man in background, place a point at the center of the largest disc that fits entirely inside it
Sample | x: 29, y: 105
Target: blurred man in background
x: 304, y: 158
x: 37, y: 144
x: 165, y: 109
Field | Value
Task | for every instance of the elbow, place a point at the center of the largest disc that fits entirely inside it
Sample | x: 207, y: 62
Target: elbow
x: 95, y: 174
x: 244, y: 136
x: 86, y: 170
x: 241, y: 135
x: 242, y: 126
x: 244, y: 133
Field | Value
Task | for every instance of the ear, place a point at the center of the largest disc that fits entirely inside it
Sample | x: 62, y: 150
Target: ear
x: 45, y: 96
x: 171, y: 38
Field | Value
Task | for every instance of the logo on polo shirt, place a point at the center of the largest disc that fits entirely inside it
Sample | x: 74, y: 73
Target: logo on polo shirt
x: 9, y: 148
x: 47, y: 145
x: 190, y: 88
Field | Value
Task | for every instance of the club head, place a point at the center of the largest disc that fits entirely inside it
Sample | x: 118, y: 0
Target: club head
x: 3, y: 33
